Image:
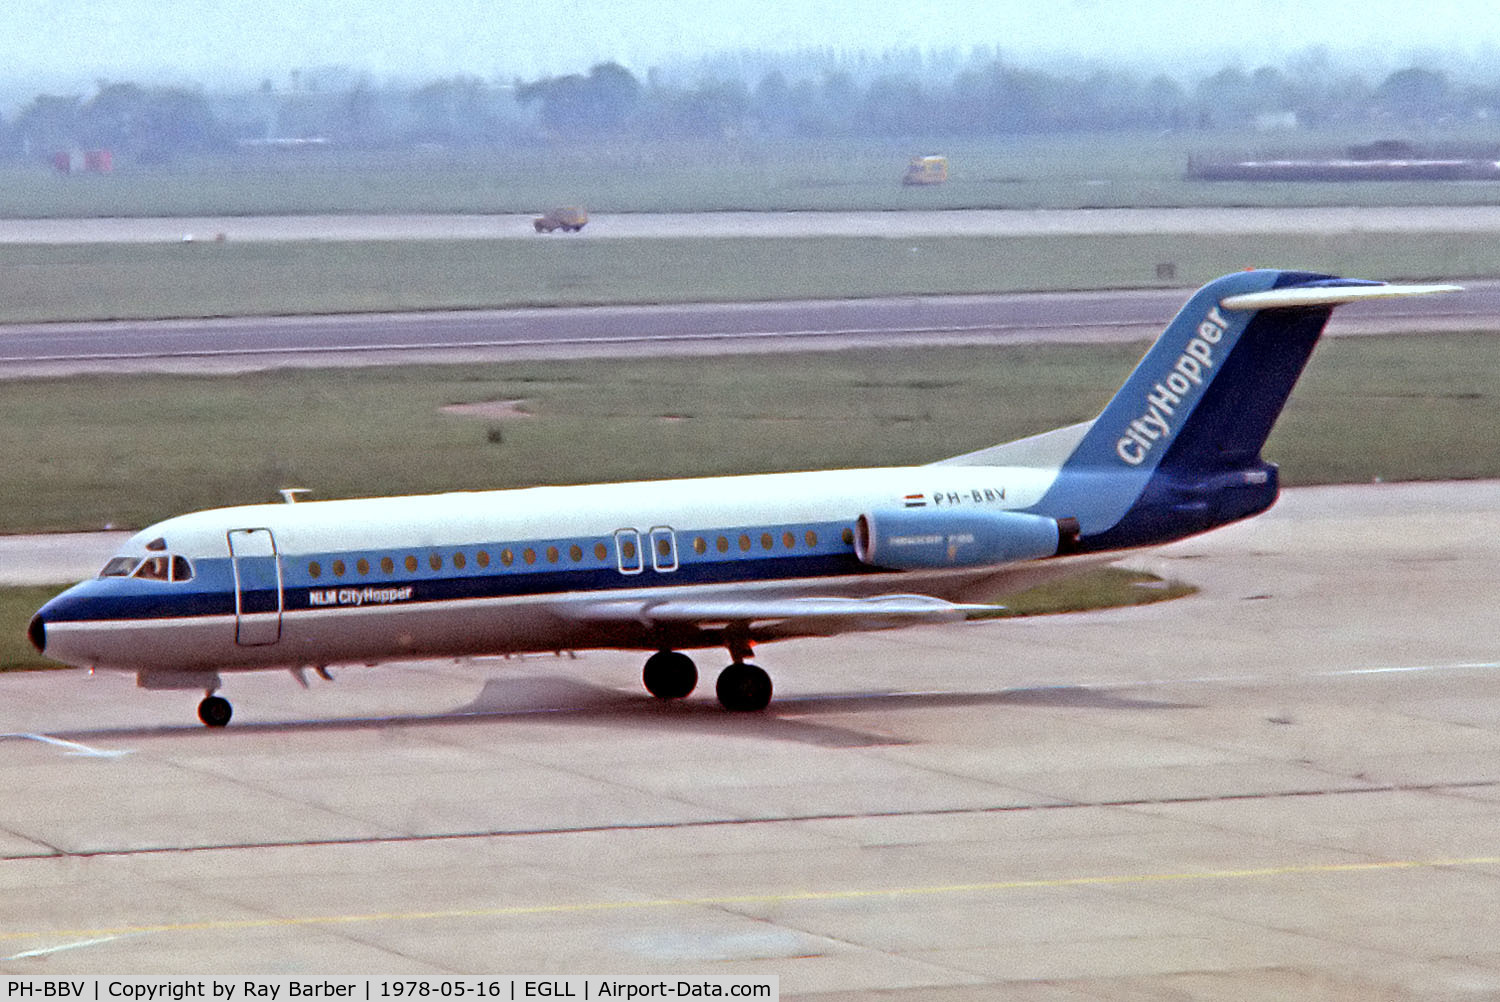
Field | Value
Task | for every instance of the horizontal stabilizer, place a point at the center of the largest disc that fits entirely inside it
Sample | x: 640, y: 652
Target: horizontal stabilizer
x: 1327, y: 295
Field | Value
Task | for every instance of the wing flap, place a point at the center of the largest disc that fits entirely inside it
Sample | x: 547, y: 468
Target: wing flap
x: 848, y: 613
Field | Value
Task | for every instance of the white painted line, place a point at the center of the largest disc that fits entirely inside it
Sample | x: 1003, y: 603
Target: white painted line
x: 45, y: 950
x: 562, y: 342
x: 1407, y: 668
x: 1142, y: 683
x: 73, y: 747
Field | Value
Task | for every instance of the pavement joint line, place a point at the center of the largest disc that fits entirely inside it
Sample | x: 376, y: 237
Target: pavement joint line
x: 647, y: 826
x: 743, y: 900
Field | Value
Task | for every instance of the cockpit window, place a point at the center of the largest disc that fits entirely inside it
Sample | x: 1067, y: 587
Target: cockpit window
x: 155, y: 569
x: 119, y: 567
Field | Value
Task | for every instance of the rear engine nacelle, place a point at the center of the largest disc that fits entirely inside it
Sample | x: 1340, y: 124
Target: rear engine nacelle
x: 921, y: 540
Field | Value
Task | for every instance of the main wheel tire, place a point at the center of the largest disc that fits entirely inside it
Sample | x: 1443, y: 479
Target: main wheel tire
x: 215, y: 711
x: 744, y: 688
x: 670, y: 675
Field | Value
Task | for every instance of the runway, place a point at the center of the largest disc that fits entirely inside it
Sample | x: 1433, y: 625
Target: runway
x: 231, y: 345
x: 1284, y: 786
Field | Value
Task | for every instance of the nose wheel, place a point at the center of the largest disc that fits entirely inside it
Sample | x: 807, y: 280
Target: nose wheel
x: 215, y: 711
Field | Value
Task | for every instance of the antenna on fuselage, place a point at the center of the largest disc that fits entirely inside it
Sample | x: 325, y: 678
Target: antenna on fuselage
x: 290, y: 494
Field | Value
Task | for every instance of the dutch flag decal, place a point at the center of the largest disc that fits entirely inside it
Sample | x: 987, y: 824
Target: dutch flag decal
x: 915, y: 501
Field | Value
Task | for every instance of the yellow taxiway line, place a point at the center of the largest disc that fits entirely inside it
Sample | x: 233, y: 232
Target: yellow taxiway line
x: 787, y: 898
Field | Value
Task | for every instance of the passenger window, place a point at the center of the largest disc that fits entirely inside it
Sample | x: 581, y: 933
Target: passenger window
x: 721, y: 544
x: 458, y: 561
x: 744, y: 542
x: 788, y: 540
x: 600, y: 551
x: 435, y: 562
x: 387, y: 565
x: 119, y: 567
x: 766, y: 542
x: 528, y: 555
x: 848, y: 537
x: 154, y: 569
x: 315, y: 569
x: 483, y: 557
x: 551, y: 554
x: 363, y: 566
x: 338, y: 568
x: 812, y: 538
x: 507, y: 557
x: 575, y: 552
x: 411, y: 564
x: 181, y: 569
x: 699, y: 546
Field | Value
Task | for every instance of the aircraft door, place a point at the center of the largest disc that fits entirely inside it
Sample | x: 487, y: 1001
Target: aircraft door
x: 257, y: 587
x: 663, y: 549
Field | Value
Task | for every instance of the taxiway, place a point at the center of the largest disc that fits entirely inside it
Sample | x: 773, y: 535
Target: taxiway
x: 1283, y: 786
x: 241, y: 344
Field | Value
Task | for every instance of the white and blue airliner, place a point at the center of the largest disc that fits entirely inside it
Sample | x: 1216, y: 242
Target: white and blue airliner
x: 668, y: 566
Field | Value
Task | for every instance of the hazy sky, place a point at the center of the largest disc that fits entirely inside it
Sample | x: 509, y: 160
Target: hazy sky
x: 58, y: 44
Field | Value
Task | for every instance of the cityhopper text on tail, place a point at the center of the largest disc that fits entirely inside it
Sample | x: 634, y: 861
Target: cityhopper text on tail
x: 668, y: 566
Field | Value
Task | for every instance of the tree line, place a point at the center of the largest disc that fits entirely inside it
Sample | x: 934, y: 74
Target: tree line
x: 148, y: 124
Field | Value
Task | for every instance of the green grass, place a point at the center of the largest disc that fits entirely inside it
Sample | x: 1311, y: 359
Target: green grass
x: 1103, y: 588
x: 16, y: 608
x: 88, y: 282
x: 86, y: 452
x: 1073, y: 171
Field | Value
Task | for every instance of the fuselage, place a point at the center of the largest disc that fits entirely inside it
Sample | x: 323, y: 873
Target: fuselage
x: 493, y: 572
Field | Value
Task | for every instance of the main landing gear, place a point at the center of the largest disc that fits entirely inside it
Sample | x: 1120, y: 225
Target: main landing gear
x: 215, y: 711
x: 741, y: 688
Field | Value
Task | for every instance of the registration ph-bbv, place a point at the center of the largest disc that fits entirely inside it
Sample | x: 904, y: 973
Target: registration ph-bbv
x: 45, y: 990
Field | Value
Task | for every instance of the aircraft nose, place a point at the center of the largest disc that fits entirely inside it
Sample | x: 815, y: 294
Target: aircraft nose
x: 37, y: 633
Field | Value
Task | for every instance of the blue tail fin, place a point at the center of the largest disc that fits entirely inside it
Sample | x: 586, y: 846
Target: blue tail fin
x: 1177, y: 450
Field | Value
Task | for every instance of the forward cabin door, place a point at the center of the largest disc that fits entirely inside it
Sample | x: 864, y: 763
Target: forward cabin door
x: 257, y: 587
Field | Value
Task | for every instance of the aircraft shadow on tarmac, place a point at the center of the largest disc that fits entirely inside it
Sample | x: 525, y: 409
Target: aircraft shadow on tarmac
x: 563, y: 700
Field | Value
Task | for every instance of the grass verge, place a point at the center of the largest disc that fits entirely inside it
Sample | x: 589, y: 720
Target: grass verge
x: 16, y: 608
x: 1102, y: 588
x: 86, y: 452
x: 144, y: 281
x: 1067, y: 171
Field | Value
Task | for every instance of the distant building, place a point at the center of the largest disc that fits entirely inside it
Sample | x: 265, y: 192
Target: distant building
x: 83, y: 161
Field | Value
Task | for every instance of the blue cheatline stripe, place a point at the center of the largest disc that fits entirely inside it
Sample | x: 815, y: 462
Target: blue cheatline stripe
x: 211, y: 592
